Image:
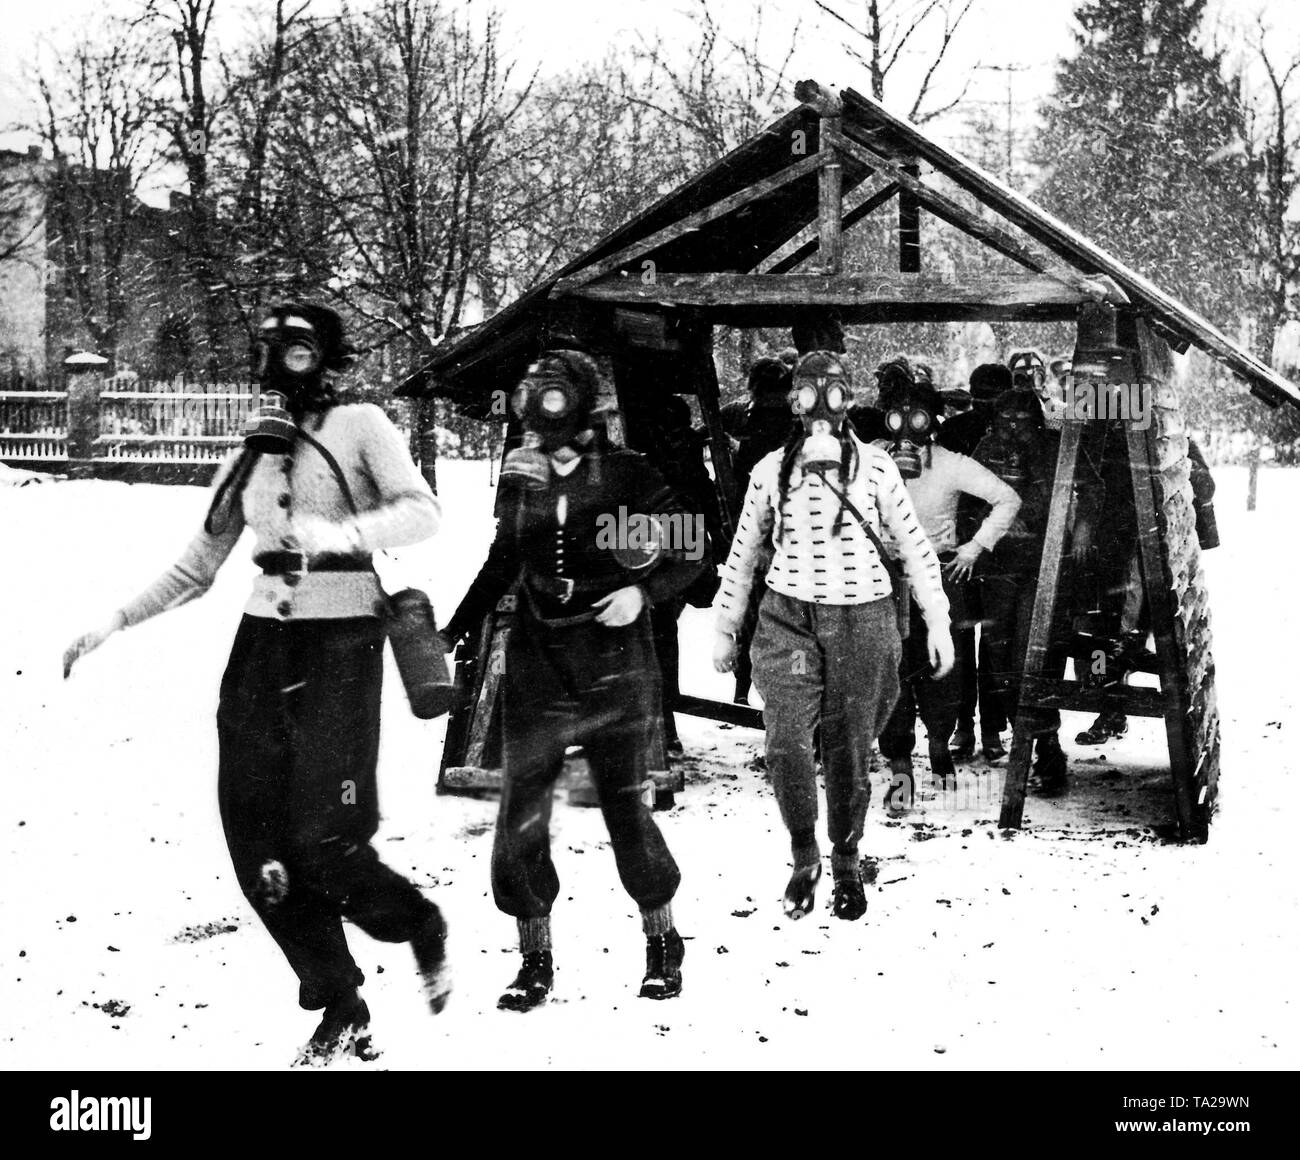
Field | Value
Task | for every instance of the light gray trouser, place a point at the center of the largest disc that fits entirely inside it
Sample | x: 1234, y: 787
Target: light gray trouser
x: 833, y: 665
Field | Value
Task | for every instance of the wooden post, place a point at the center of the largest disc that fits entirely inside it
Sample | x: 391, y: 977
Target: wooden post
x: 830, y: 200
x: 1254, y: 478
x: 1042, y: 620
x: 909, y: 227
x: 84, y: 382
x: 426, y: 425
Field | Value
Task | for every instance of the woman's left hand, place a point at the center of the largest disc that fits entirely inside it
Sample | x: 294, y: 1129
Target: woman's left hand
x: 321, y: 537
x: 620, y: 607
x: 963, y: 562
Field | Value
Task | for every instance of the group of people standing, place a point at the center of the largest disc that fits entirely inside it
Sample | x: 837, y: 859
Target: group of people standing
x: 869, y: 536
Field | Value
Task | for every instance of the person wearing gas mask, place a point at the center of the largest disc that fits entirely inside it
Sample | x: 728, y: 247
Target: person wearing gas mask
x: 580, y: 667
x: 1029, y: 370
x: 936, y: 479
x: 299, y: 709
x: 1021, y: 452
x: 826, y: 650
x: 961, y: 433
x: 767, y: 427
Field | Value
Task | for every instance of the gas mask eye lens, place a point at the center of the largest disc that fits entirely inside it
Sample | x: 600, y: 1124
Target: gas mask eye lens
x: 519, y: 401
x: 894, y: 421
x: 554, y: 401
x: 299, y: 359
x: 805, y: 399
x: 835, y: 397
x: 919, y: 420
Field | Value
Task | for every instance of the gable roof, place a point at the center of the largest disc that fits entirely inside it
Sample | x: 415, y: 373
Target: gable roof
x: 737, y: 237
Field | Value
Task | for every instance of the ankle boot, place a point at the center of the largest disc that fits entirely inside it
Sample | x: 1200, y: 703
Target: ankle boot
x: 429, y: 946
x: 344, y: 1030
x: 902, y: 787
x: 532, y: 985
x: 663, y: 965
x: 801, y: 890
x: 849, y: 901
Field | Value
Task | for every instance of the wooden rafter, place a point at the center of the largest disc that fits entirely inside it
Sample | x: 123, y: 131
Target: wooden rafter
x: 850, y: 219
x: 691, y: 223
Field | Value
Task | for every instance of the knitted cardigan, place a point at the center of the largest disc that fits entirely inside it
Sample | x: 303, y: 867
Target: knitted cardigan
x: 286, y: 497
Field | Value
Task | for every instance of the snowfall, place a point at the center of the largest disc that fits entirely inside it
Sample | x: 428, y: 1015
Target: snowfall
x: 1085, y: 940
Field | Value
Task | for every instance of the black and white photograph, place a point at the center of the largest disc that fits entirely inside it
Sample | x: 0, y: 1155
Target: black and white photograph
x: 717, y: 535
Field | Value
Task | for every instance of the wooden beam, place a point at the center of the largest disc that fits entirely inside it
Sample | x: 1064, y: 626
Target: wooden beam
x: 830, y: 200
x: 1074, y: 247
x: 733, y: 714
x: 992, y: 235
x: 1041, y: 623
x: 690, y: 223
x: 855, y: 215
x: 994, y: 291
x: 909, y: 226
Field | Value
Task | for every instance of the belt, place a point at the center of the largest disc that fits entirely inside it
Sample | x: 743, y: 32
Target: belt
x: 564, y: 588
x: 555, y: 621
x: 288, y: 563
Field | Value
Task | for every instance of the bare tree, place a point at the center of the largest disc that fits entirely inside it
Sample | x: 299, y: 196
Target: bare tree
x: 878, y: 43
x: 253, y: 191
x: 187, y: 118
x: 1276, y: 145
x: 97, y: 105
x: 20, y: 218
x: 397, y: 138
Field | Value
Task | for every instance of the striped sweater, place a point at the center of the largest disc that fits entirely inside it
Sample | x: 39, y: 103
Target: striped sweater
x: 291, y: 500
x: 812, y: 565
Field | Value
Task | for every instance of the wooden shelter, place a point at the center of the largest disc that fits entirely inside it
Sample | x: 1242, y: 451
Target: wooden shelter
x: 756, y: 240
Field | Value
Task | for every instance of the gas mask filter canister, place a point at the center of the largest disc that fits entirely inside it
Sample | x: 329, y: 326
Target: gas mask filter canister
x: 554, y: 414
x: 821, y: 396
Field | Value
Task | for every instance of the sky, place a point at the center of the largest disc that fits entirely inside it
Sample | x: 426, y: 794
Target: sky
x: 555, y: 34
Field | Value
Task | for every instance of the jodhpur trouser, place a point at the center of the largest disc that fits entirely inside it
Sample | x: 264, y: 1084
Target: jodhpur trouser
x: 1009, y: 604
x: 976, y: 683
x: 936, y: 700
x: 589, y: 685
x: 298, y: 726
x: 830, y: 664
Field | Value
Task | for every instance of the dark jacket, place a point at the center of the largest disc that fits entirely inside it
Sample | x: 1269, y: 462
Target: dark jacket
x: 531, y: 543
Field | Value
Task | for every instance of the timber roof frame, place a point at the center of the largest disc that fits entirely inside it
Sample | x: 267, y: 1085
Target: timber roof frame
x: 709, y: 238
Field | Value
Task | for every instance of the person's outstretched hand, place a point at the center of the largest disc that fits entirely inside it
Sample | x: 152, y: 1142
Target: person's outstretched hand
x: 941, y: 652
x: 963, y: 562
x: 87, y: 642
x: 724, y: 652
x: 620, y: 607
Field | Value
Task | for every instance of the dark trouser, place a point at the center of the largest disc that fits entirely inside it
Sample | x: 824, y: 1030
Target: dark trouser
x: 833, y: 664
x: 1009, y: 606
x: 663, y: 621
x: 976, y: 682
x: 745, y: 638
x: 586, y: 685
x: 936, y: 700
x: 298, y: 727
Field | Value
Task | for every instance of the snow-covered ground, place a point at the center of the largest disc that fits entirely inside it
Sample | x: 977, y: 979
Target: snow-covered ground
x: 1082, y: 941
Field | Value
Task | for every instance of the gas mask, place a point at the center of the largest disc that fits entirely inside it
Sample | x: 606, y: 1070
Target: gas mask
x: 553, y: 404
x: 293, y: 348
x: 1017, y: 425
x: 820, y: 396
x: 910, y: 420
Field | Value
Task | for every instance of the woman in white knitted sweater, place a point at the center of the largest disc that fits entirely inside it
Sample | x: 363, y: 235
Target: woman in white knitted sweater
x: 298, y: 717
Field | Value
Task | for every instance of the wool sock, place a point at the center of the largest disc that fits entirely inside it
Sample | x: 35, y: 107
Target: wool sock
x: 657, y: 921
x: 534, y: 934
x: 845, y: 866
x: 805, y: 850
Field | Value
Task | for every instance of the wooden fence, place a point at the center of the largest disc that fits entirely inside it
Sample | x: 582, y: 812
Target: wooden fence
x: 136, y: 422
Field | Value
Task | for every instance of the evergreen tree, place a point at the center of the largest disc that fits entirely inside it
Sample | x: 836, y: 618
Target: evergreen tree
x: 1143, y: 147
